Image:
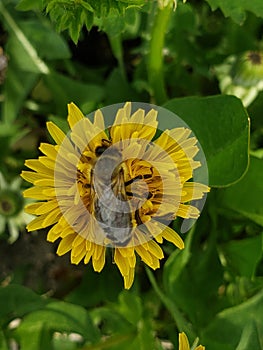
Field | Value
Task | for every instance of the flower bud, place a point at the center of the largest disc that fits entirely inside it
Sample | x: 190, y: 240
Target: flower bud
x: 247, y: 70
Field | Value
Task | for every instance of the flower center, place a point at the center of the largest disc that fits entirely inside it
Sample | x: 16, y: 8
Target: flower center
x: 11, y: 203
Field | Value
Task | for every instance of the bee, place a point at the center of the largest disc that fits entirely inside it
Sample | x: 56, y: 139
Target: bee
x: 110, y: 205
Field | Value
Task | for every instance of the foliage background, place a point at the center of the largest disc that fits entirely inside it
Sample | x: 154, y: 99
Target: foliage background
x: 97, y: 53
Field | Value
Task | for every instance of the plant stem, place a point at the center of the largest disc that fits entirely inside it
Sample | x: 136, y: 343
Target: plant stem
x: 155, y: 58
x: 116, y: 46
x: 182, y: 324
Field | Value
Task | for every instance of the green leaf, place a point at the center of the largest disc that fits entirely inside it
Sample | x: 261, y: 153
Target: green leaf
x: 48, y: 44
x: 196, y: 285
x: 35, y: 335
x: 118, y: 89
x: 37, y: 328
x: 16, y: 301
x: 72, y: 15
x: 176, y: 262
x: 17, y: 86
x: 3, y: 342
x: 66, y: 90
x: 26, y: 5
x: 250, y: 338
x: 236, y: 9
x: 236, y: 327
x: 243, y: 256
x: 246, y: 197
x: 221, y: 125
x: 102, y: 288
x: 20, y: 47
x: 130, y: 307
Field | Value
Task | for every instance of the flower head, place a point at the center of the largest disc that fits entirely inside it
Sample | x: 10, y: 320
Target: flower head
x: 184, y: 343
x: 12, y: 215
x: 114, y: 187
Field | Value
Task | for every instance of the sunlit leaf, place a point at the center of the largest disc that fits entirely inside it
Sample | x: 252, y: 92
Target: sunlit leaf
x: 243, y: 256
x: 246, y: 197
x: 239, y: 327
x: 221, y: 125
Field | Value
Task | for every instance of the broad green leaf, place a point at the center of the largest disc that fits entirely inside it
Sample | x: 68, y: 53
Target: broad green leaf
x: 17, y: 86
x: 113, y: 322
x: 221, y: 125
x: 19, y: 46
x: 48, y: 44
x: 61, y: 342
x: 236, y: 9
x: 55, y: 317
x: 33, y: 336
x: 26, y: 5
x: 243, y: 256
x: 236, y: 327
x: 130, y: 307
x: 66, y: 90
x: 246, y: 197
x: 16, y: 301
x: 196, y: 285
x: 250, y: 338
x: 100, y: 288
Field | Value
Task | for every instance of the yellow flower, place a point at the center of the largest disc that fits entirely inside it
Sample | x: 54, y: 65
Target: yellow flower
x: 184, y: 344
x: 114, y: 187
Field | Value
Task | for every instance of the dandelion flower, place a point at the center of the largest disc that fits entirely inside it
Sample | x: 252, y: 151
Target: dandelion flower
x: 113, y: 187
x: 184, y: 344
x: 12, y: 215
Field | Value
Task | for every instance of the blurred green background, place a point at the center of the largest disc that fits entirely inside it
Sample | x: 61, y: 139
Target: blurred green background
x: 202, y: 60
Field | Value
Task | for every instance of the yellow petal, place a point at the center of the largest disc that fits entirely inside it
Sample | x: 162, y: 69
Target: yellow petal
x: 145, y: 255
x: 121, y: 262
x: 49, y: 163
x: 155, y: 249
x: 56, y: 133
x: 128, y: 279
x: 183, y: 342
x: 44, y: 182
x: 99, y: 120
x: 99, y: 263
x: 78, y: 241
x: 74, y: 114
x: 36, y: 165
x: 188, y: 211
x: 89, y: 252
x: 48, y: 150
x: 31, y: 176
x: 171, y: 236
x: 36, y: 224
x: 32, y: 207
x: 127, y: 109
x: 65, y: 244
x: 53, y: 234
x: 77, y: 254
x: 36, y: 193
x: 52, y: 217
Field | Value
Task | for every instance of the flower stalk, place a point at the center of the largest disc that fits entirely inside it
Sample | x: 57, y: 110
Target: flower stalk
x: 155, y: 58
x: 179, y: 319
